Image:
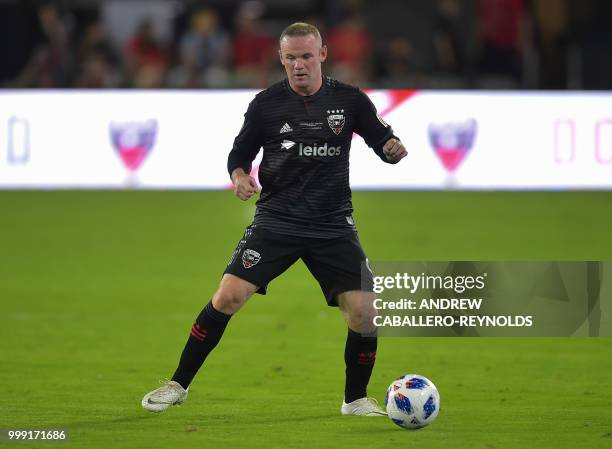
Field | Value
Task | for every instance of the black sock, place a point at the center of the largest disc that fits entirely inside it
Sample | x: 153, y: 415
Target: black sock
x: 359, y: 356
x: 205, y: 334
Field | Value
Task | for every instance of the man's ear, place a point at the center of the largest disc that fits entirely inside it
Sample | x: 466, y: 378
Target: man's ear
x: 323, y: 53
x: 280, y: 56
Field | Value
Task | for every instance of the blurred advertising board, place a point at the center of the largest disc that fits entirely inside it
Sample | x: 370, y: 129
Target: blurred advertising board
x: 180, y: 140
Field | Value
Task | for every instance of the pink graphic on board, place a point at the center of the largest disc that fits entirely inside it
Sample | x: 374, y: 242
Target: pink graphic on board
x: 452, y: 142
x: 603, y: 141
x: 133, y: 141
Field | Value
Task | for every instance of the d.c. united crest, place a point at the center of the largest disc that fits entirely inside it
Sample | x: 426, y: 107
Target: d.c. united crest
x: 335, y: 120
x: 452, y: 142
x: 250, y: 258
x: 133, y: 141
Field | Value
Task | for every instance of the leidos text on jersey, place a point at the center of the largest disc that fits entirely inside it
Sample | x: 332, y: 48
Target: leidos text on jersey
x: 314, y: 150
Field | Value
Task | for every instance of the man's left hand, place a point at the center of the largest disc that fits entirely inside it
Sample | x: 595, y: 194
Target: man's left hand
x: 394, y: 150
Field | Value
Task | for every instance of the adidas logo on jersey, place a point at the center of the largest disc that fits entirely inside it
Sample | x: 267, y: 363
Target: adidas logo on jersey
x: 286, y: 128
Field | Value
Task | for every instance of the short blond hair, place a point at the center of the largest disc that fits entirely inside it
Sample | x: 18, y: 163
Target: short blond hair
x: 301, y: 29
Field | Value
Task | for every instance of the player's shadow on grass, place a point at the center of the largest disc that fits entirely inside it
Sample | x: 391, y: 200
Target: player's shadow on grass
x: 201, y: 418
x: 389, y: 427
x: 263, y: 419
x: 107, y: 422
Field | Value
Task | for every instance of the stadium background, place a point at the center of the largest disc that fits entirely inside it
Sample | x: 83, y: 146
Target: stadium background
x: 98, y: 288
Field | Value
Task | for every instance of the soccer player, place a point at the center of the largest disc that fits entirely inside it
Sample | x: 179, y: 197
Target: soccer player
x: 305, y: 125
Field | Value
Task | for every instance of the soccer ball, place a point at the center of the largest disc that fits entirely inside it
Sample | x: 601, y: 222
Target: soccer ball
x: 412, y: 401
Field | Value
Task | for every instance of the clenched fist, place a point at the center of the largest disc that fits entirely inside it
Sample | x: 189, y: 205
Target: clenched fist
x: 394, y: 150
x: 245, y: 186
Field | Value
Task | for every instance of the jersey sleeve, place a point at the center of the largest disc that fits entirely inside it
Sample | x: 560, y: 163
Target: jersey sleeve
x: 374, y: 130
x: 248, y: 141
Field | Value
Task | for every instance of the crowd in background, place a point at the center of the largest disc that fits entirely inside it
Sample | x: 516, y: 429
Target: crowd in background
x: 508, y: 44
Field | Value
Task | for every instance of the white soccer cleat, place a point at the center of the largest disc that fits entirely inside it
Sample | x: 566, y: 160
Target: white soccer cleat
x: 170, y: 393
x: 363, y: 407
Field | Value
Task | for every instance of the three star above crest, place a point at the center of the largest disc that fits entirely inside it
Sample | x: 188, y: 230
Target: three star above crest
x: 335, y: 111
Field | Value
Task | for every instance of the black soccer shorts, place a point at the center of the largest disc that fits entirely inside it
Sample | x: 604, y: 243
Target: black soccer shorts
x: 338, y: 264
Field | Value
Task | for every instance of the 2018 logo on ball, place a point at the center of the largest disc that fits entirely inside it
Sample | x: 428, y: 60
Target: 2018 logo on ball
x: 250, y: 258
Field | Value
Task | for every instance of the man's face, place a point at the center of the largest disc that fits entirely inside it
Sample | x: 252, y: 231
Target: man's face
x: 302, y: 57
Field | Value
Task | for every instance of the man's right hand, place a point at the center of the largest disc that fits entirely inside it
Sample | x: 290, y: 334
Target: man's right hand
x: 245, y: 186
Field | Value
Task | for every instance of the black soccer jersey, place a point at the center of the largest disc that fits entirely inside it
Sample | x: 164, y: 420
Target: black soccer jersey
x: 304, y: 173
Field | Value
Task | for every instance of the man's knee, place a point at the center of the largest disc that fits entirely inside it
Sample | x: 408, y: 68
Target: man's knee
x: 361, y: 320
x: 359, y: 311
x: 232, y: 293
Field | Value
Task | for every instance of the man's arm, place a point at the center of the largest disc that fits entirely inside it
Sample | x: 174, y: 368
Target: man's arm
x: 246, y: 146
x: 377, y: 133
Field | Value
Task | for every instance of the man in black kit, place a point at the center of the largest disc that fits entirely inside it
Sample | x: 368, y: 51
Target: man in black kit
x: 305, y: 125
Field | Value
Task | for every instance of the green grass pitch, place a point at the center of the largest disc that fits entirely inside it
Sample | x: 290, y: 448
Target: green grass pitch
x: 98, y: 291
